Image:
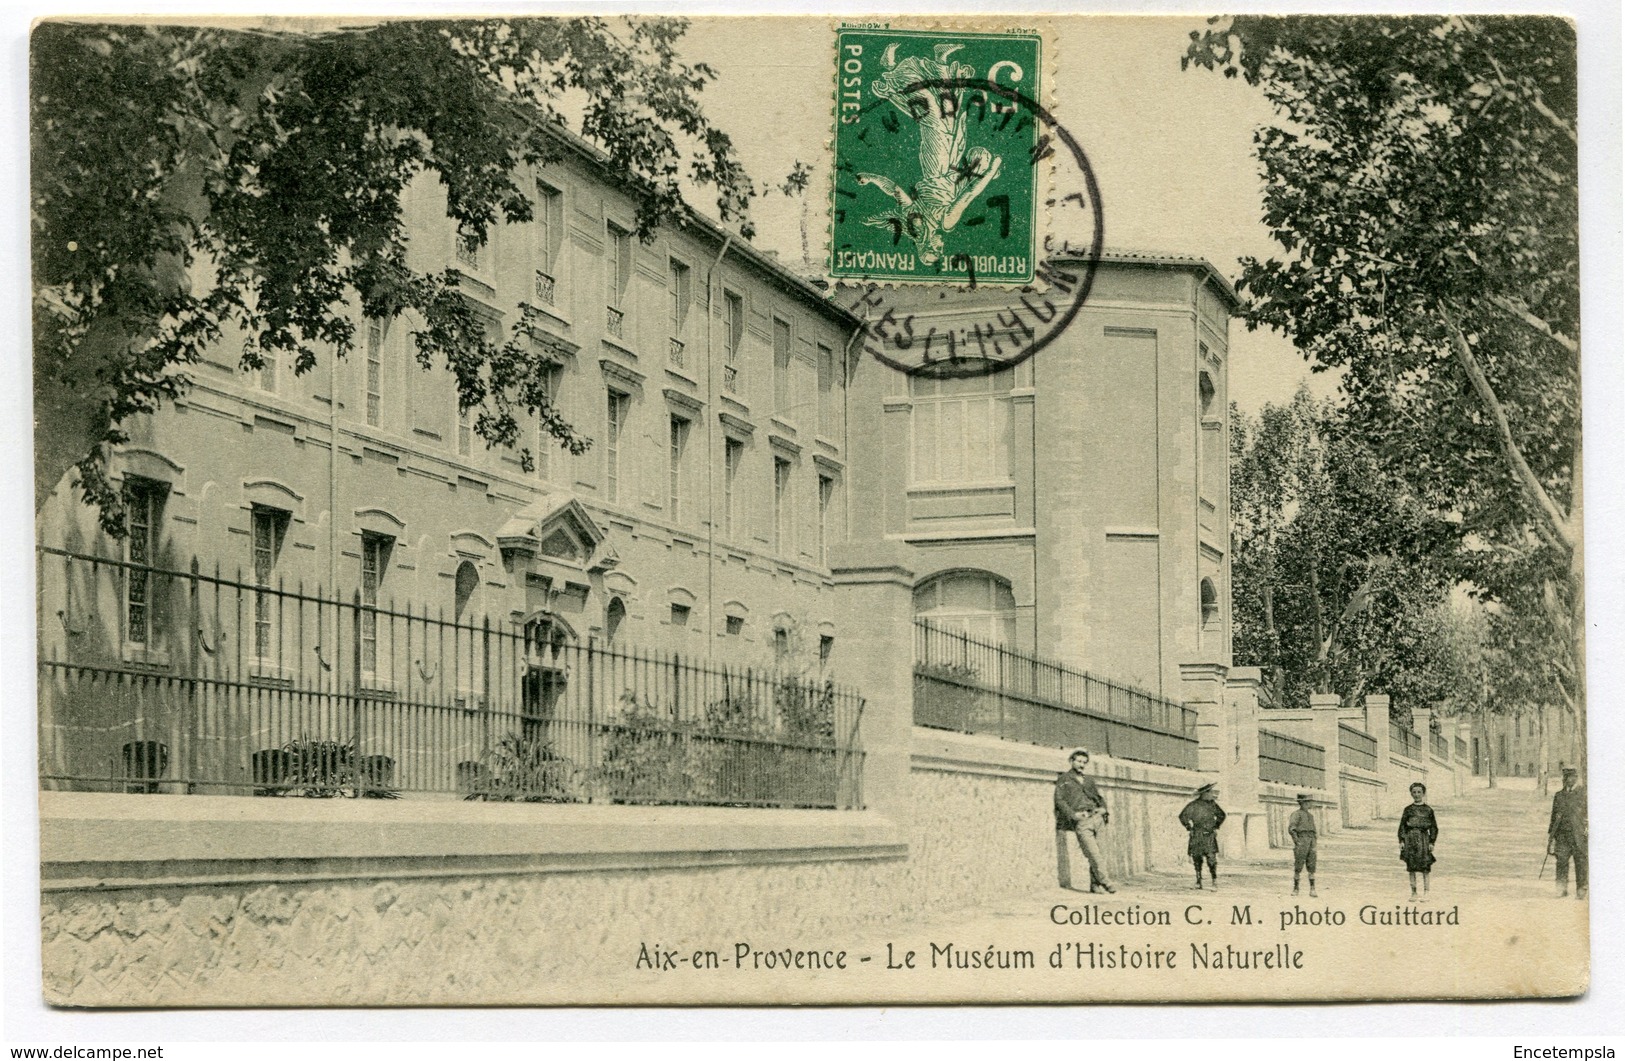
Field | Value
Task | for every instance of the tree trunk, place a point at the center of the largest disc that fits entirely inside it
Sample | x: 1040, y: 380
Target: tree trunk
x: 1577, y: 591
x: 1542, y: 748
x: 1489, y: 747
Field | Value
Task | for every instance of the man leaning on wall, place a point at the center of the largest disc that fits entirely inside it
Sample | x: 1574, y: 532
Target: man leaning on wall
x: 1080, y: 810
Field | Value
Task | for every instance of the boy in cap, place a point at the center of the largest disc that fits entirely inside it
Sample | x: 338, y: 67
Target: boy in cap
x: 1301, y: 828
x: 1201, y: 818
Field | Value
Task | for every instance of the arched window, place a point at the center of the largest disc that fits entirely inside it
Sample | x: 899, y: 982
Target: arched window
x: 468, y: 583
x: 1206, y: 391
x: 975, y: 603
x: 614, y: 616
x: 1210, y: 603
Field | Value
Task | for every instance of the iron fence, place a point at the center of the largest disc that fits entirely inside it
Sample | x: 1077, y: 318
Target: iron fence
x: 1288, y: 761
x: 1402, y: 741
x: 1357, y: 747
x: 247, y: 689
x: 1440, y: 746
x: 972, y: 686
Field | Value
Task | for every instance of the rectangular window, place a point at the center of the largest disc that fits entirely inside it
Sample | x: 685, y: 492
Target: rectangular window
x: 734, y: 625
x: 680, y: 614
x: 549, y: 376
x: 268, y: 530
x: 829, y: 393
x: 961, y: 429
x: 549, y: 242
x: 733, y: 338
x: 267, y: 374
x: 733, y: 452
x: 375, y: 372
x: 681, y: 295
x: 782, y: 391
x: 617, y: 278
x: 615, y: 423
x: 470, y: 252
x: 826, y: 493
x: 144, y: 503
x: 374, y: 565
x: 679, y: 443
x: 783, y: 507
x: 465, y: 430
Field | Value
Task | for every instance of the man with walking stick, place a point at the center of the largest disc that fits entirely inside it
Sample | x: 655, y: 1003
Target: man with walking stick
x: 1566, y: 836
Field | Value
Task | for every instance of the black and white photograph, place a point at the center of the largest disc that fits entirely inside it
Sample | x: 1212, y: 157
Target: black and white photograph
x: 797, y: 510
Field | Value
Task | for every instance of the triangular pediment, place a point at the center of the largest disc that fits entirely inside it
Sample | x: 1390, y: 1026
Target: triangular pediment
x: 560, y: 529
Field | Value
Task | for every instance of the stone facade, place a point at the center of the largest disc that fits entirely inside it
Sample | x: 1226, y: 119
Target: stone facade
x: 1092, y: 497
x: 709, y: 379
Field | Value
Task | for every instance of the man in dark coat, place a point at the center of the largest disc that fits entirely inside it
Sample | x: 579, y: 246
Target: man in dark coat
x: 1201, y: 818
x: 1566, y: 836
x: 1080, y: 811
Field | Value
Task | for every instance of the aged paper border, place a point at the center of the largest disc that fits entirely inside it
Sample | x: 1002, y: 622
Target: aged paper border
x: 1599, y: 53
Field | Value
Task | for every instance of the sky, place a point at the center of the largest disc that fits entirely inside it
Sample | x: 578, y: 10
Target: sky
x: 1170, y: 149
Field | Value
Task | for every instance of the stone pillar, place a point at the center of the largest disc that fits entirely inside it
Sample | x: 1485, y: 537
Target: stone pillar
x: 1376, y: 724
x: 1220, y: 750
x: 1463, y: 731
x: 1325, y: 708
x: 1239, y: 782
x: 874, y: 615
x: 1432, y: 777
x: 1202, y: 689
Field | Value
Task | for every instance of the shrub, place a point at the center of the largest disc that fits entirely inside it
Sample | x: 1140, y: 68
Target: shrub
x: 520, y: 769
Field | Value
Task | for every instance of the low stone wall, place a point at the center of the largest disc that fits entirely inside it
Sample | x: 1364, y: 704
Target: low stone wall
x: 153, y: 901
x: 1281, y: 802
x: 1401, y: 775
x: 1362, y: 794
x: 1009, y: 790
x: 1441, y: 781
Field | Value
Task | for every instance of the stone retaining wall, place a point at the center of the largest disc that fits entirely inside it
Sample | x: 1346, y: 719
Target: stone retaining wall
x: 557, y: 898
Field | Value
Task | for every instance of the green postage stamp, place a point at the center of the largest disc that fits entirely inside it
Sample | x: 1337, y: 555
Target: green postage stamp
x: 937, y: 156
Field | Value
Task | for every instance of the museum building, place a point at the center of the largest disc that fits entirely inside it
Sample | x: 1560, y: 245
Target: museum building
x: 349, y: 522
x: 1076, y: 503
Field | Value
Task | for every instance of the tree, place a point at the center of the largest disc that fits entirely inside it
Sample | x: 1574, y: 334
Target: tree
x: 274, y: 164
x: 1422, y: 183
x: 794, y: 186
x: 1338, y: 572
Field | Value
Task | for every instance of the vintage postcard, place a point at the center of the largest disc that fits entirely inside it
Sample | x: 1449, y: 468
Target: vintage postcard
x: 808, y: 510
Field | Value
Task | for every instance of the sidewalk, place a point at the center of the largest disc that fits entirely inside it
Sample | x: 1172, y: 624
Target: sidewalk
x: 1491, y: 842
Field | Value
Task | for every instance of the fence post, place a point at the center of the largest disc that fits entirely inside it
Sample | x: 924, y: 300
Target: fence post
x: 1325, y: 708
x: 874, y: 612
x: 1461, y: 764
x: 1241, y: 698
x: 1203, y: 692
x: 1422, y: 719
x: 355, y: 689
x: 1393, y: 795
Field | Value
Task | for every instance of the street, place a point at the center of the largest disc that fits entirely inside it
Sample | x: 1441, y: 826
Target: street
x: 1488, y: 927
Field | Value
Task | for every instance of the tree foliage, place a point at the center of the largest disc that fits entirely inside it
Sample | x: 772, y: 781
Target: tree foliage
x: 1339, y: 573
x: 1421, y: 181
x: 277, y: 161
